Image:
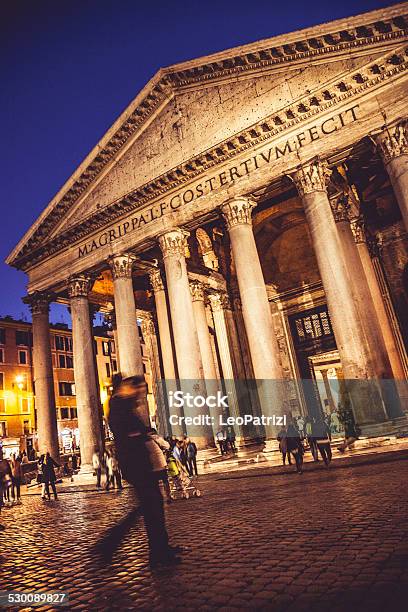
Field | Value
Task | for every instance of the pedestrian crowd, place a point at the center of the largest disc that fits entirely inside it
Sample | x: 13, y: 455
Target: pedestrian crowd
x: 312, y: 434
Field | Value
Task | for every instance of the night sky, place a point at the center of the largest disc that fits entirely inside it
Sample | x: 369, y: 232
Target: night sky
x: 69, y: 68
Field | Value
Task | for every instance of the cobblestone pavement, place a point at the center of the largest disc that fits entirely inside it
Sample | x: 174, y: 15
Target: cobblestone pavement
x: 330, y: 539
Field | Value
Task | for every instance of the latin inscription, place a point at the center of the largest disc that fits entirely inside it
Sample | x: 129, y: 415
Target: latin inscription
x: 233, y: 173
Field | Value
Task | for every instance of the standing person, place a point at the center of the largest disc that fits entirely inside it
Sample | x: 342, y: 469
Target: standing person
x: 97, y: 467
x: 351, y: 430
x: 48, y: 475
x: 130, y: 431
x: 310, y: 439
x: 113, y: 475
x: 294, y: 446
x: 191, y: 453
x: 221, y: 439
x: 17, y: 477
x: 283, y: 445
x: 231, y: 439
x: 5, y: 480
x: 322, y: 438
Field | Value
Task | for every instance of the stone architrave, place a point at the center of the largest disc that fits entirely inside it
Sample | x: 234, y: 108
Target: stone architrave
x: 311, y: 181
x: 255, y: 307
x: 173, y: 245
x: 392, y: 144
x: 87, y: 400
x: 47, y: 428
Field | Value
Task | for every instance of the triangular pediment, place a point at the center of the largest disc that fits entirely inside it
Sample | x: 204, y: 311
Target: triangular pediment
x: 189, y: 109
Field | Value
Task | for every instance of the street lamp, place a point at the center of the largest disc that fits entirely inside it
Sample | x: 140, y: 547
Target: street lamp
x: 20, y: 381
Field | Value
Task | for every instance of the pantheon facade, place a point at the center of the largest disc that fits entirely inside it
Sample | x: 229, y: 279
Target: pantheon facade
x: 246, y: 215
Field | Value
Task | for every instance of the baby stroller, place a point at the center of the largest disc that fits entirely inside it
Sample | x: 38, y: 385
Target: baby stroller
x: 181, y: 485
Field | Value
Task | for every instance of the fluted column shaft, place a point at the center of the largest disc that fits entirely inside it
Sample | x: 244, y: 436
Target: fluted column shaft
x: 255, y: 306
x: 393, y: 146
x: 356, y: 360
x: 87, y: 400
x: 190, y: 368
x: 43, y: 375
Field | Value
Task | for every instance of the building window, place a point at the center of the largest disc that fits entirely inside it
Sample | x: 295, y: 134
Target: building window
x: 105, y: 348
x: 66, y: 388
x: 313, y: 326
x: 59, y: 343
x: 25, y: 405
x: 112, y: 346
x: 73, y: 413
x: 3, y: 429
x: 22, y: 357
x: 1, y: 381
x: 64, y: 412
x: 61, y: 361
x: 69, y: 361
x: 1, y: 355
x: 114, y: 365
x: 23, y: 338
x: 2, y: 405
x: 26, y: 428
x: 68, y: 344
x: 108, y: 372
x: 2, y: 335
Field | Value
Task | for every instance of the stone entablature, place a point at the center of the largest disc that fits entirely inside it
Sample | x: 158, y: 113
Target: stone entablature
x: 357, y: 83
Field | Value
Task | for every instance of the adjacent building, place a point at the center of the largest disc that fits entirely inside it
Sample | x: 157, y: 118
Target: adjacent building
x: 18, y: 406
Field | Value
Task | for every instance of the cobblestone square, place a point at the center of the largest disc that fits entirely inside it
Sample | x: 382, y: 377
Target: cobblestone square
x: 330, y: 539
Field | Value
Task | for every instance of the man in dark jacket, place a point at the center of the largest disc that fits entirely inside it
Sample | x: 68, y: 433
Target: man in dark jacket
x: 294, y: 446
x: 130, y: 432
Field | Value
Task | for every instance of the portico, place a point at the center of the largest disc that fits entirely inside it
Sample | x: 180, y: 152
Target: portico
x: 246, y: 235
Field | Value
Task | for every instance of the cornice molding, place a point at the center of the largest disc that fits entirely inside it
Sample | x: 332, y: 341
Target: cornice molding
x: 357, y: 82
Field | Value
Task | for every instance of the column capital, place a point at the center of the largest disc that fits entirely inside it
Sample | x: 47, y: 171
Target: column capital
x: 238, y: 211
x: 197, y: 291
x: 312, y: 176
x: 39, y: 302
x: 219, y: 301
x: 156, y: 280
x: 79, y: 286
x: 147, y: 324
x: 340, y: 207
x: 393, y: 141
x: 174, y: 242
x: 358, y: 229
x: 121, y: 265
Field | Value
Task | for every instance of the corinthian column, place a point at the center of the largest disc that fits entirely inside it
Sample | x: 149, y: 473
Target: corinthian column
x: 169, y: 385
x: 350, y: 234
x: 88, y: 406
x: 393, y: 146
x: 163, y: 324
x: 255, y: 305
x: 384, y: 326
x: 206, y: 350
x: 43, y: 374
x: 311, y: 180
x: 219, y: 303
x: 173, y: 245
